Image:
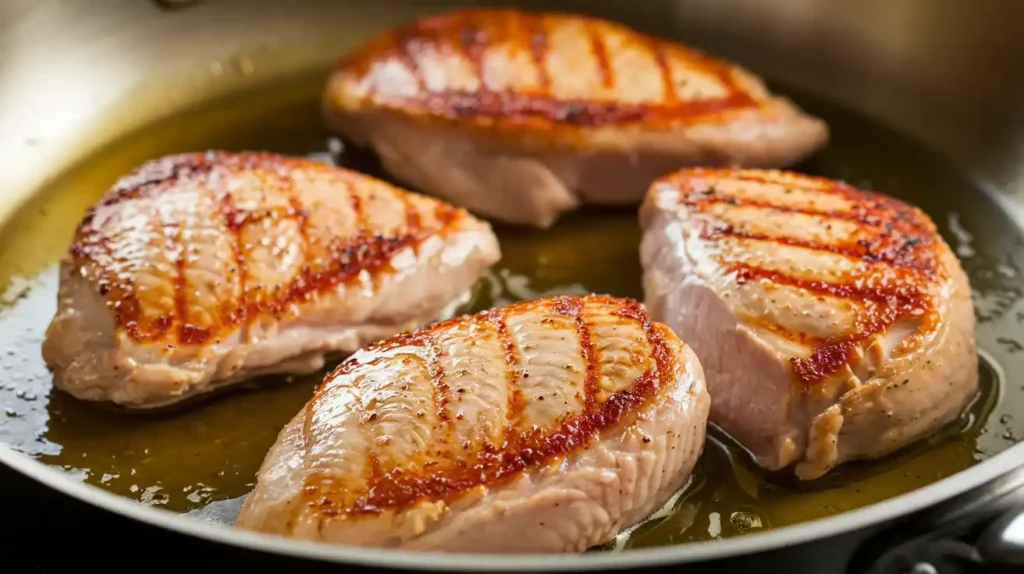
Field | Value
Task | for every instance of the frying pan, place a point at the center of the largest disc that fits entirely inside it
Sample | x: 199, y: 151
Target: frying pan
x: 926, y: 102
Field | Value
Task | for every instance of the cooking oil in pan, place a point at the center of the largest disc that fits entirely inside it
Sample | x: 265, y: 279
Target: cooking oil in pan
x: 186, y: 459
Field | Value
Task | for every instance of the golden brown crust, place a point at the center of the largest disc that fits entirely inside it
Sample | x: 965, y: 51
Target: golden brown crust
x: 898, y: 241
x: 495, y: 70
x: 450, y: 472
x: 93, y: 247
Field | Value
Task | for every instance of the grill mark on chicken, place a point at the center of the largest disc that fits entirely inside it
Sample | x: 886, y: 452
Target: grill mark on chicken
x: 413, y: 221
x: 362, y: 251
x: 572, y: 307
x: 896, y: 251
x: 669, y: 95
x: 890, y: 232
x: 896, y: 240
x: 117, y: 290
x: 363, y: 416
x: 173, y: 232
x: 301, y: 216
x: 600, y: 53
x: 538, y: 43
x: 229, y: 213
x: 442, y: 393
x: 152, y: 178
x: 473, y: 41
x: 407, y: 54
x: 516, y: 106
x: 188, y: 333
x: 513, y: 370
x: 447, y: 478
x: 358, y: 210
x: 700, y: 199
x: 867, y: 208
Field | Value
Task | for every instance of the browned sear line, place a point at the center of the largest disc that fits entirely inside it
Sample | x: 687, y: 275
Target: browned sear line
x: 300, y: 214
x: 513, y: 371
x: 890, y: 232
x: 407, y: 41
x: 539, y: 49
x: 897, y: 240
x: 358, y: 211
x: 174, y: 234
x: 886, y: 298
x: 441, y: 393
x: 600, y: 53
x: 896, y: 251
x: 571, y: 306
x: 473, y: 41
x: 346, y: 258
x: 413, y: 222
x: 669, y: 95
x: 232, y: 222
x: 515, y: 106
x: 523, y: 447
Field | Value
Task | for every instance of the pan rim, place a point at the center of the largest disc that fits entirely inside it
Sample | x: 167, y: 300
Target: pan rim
x: 968, y: 479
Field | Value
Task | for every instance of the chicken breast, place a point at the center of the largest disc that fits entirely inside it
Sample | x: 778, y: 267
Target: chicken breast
x: 832, y: 323
x: 199, y: 270
x: 522, y: 116
x: 546, y: 426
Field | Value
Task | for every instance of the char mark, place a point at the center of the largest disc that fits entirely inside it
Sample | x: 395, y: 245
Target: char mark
x: 515, y: 107
x: 523, y: 448
x: 413, y: 220
x: 473, y: 41
x: 885, y: 299
x: 358, y: 210
x: 513, y: 367
x: 347, y: 257
x: 173, y: 231
x: 512, y: 107
x: 572, y: 307
x: 600, y: 53
x: 668, y: 88
x: 156, y: 176
x: 441, y: 394
x: 889, y: 232
x: 899, y: 251
x: 538, y: 42
x: 233, y: 221
x: 865, y: 210
x: 410, y: 43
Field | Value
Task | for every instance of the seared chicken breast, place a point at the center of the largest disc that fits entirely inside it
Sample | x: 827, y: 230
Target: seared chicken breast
x: 546, y: 426
x: 832, y: 323
x: 199, y: 270
x: 522, y: 116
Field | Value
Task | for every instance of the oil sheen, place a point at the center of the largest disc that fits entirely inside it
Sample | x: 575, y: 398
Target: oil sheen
x: 207, y: 452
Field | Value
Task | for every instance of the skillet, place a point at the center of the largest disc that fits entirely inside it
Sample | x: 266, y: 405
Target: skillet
x: 87, y: 94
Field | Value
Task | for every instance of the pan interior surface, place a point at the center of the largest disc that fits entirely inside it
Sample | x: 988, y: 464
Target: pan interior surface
x: 208, y: 452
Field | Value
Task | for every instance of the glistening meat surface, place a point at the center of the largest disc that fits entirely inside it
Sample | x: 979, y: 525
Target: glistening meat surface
x: 546, y: 426
x: 832, y: 323
x: 522, y: 116
x: 200, y: 270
